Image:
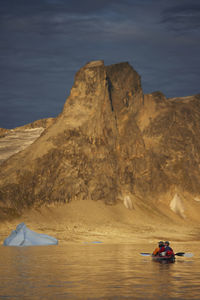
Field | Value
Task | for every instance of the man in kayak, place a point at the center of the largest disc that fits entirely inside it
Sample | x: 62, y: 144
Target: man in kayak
x: 168, y: 249
x: 159, y: 250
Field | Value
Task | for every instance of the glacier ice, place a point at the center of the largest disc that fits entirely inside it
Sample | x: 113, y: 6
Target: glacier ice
x: 23, y: 236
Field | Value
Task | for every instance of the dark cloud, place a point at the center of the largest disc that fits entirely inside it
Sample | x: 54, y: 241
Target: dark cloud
x: 86, y: 7
x: 44, y: 42
x: 184, y: 17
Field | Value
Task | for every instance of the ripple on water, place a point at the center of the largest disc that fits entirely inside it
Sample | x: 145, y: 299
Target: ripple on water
x: 94, y: 271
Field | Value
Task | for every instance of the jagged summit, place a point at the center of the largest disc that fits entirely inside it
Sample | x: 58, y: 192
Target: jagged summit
x: 120, y: 82
x: 94, y: 63
x: 112, y: 143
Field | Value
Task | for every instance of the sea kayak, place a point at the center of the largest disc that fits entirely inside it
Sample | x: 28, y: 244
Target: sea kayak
x: 164, y: 259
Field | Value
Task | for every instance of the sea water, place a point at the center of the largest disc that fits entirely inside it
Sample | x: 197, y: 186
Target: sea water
x: 96, y: 271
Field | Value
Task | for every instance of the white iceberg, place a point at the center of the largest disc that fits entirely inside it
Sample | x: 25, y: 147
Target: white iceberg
x: 23, y: 236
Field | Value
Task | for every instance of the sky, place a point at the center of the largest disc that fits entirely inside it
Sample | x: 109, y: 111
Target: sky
x: 43, y: 43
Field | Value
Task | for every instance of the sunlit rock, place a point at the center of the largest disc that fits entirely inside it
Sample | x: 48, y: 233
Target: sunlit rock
x: 17, y: 140
x: 128, y: 203
x: 23, y: 236
x: 197, y: 199
x: 110, y: 143
x: 176, y: 205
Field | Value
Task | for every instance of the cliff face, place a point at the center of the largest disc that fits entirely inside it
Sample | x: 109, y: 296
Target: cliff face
x: 111, y: 143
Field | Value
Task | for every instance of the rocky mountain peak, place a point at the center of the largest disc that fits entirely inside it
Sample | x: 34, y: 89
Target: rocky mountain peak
x: 120, y: 83
x: 94, y: 63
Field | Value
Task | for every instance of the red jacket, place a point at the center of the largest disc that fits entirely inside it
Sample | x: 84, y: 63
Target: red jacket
x: 158, y: 250
x: 162, y: 249
x: 169, y: 251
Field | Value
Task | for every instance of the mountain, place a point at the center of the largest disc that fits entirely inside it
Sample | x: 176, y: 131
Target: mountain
x: 14, y: 140
x: 115, y: 144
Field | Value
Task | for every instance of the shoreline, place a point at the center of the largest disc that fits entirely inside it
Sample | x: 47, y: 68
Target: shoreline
x: 86, y: 221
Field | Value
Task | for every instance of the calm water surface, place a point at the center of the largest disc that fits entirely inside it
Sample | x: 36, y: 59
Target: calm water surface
x: 95, y: 271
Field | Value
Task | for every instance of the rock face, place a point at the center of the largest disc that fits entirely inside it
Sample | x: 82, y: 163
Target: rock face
x: 14, y: 140
x: 17, y: 140
x: 111, y: 143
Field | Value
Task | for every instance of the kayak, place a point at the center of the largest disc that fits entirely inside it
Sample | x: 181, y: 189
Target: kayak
x: 164, y: 259
x: 167, y: 258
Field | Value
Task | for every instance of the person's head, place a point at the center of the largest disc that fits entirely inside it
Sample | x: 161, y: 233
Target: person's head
x: 161, y: 244
x: 166, y: 243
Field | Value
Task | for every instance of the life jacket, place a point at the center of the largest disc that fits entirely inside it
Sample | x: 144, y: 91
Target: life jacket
x: 158, y: 250
x: 155, y: 252
x: 169, y: 251
x: 161, y: 250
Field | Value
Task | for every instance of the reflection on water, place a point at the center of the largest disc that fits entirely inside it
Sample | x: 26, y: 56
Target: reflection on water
x: 94, y: 271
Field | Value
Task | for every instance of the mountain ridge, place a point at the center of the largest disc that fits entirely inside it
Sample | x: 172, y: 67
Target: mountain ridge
x: 112, y: 143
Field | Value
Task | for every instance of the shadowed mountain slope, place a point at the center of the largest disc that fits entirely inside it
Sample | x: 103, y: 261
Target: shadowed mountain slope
x: 112, y: 143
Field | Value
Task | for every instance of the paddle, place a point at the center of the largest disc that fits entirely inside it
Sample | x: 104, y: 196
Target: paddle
x: 177, y: 254
x: 184, y: 254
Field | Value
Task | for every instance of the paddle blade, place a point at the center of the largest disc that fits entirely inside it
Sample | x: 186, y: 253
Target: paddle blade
x: 184, y: 254
x: 145, y: 254
x: 188, y: 254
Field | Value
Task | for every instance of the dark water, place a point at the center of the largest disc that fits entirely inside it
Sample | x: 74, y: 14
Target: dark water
x: 95, y: 271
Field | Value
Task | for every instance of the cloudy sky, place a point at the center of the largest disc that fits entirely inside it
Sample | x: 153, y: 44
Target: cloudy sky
x: 44, y: 42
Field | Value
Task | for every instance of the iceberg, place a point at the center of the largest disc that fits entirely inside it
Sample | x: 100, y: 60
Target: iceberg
x: 23, y: 236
